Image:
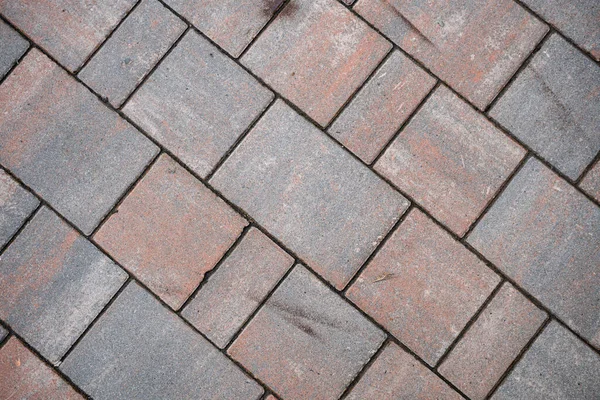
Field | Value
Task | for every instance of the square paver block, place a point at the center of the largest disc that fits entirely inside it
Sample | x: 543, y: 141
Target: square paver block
x: 395, y: 375
x: 423, y: 286
x: 492, y: 343
x: 61, y: 141
x: 316, y: 53
x: 54, y: 283
x: 554, y: 107
x: 131, y: 52
x: 197, y: 103
x: 381, y: 106
x: 591, y: 182
x: 238, y: 287
x: 12, y: 47
x: 578, y: 19
x: 558, y: 366
x: 24, y: 376
x: 16, y: 204
x: 309, y: 193
x: 139, y: 349
x: 306, y: 342
x: 232, y: 24
x: 70, y: 30
x: 169, y: 231
x: 474, y: 46
x: 545, y: 235
x: 451, y: 160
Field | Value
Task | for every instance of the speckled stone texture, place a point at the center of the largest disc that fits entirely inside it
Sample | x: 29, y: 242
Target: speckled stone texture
x: 139, y: 349
x: 231, y: 24
x: 306, y: 342
x: 131, y: 52
x: 545, y: 235
x: 308, y: 192
x: 24, y: 376
x: 451, y: 160
x: 554, y: 107
x: 591, y: 182
x: 492, y: 343
x: 396, y: 375
x: 61, y: 141
x: 70, y: 30
x: 577, y: 19
x: 381, y: 107
x: 12, y: 47
x: 423, y: 287
x: 316, y: 54
x: 170, y: 231
x: 16, y: 204
x: 238, y: 287
x: 475, y: 46
x: 197, y: 103
x: 54, y: 283
x: 558, y: 366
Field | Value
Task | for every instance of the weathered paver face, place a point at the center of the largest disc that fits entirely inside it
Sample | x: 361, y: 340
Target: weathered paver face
x: 591, y: 182
x: 554, y: 107
x: 238, y: 287
x: 16, y: 204
x: 316, y: 54
x: 395, y: 374
x: 54, y: 283
x: 381, y: 106
x: 545, y: 235
x: 12, y: 47
x: 170, y: 231
x: 423, y: 287
x: 306, y: 342
x: 557, y: 366
x: 319, y: 201
x: 135, y: 47
x: 24, y: 376
x: 578, y: 19
x: 492, y: 343
x: 69, y: 30
x: 474, y: 46
x: 61, y: 141
x: 450, y: 159
x: 139, y: 349
x: 197, y: 103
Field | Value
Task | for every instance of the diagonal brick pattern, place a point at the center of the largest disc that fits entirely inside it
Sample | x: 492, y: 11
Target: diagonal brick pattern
x: 299, y: 199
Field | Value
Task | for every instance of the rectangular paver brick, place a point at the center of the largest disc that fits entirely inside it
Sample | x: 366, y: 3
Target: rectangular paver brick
x: 309, y: 193
x: 474, y: 46
x: 232, y: 24
x: 554, y: 106
x: 306, y: 342
x: 591, y: 182
x: 16, y: 204
x: 395, y: 375
x: 54, y: 283
x: 139, y: 349
x: 423, y: 286
x: 558, y: 366
x: 545, y: 235
x: 169, y: 231
x: 131, y: 52
x: 238, y: 287
x: 61, y: 141
x: 316, y: 53
x: 24, y: 376
x: 197, y: 103
x: 69, y: 30
x: 382, y: 106
x: 12, y: 47
x: 492, y: 343
x: 450, y: 159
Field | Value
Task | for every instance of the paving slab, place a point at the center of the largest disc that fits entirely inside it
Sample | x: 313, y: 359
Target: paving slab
x: 12, y: 47
x: 591, y: 182
x: 16, y: 205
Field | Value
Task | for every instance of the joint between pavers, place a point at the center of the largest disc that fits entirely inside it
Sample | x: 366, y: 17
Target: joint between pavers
x: 587, y: 169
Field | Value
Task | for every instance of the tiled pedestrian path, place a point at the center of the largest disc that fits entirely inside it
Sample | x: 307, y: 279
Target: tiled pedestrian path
x: 300, y: 199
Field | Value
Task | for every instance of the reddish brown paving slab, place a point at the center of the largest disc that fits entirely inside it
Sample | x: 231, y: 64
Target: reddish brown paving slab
x: 169, y: 231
